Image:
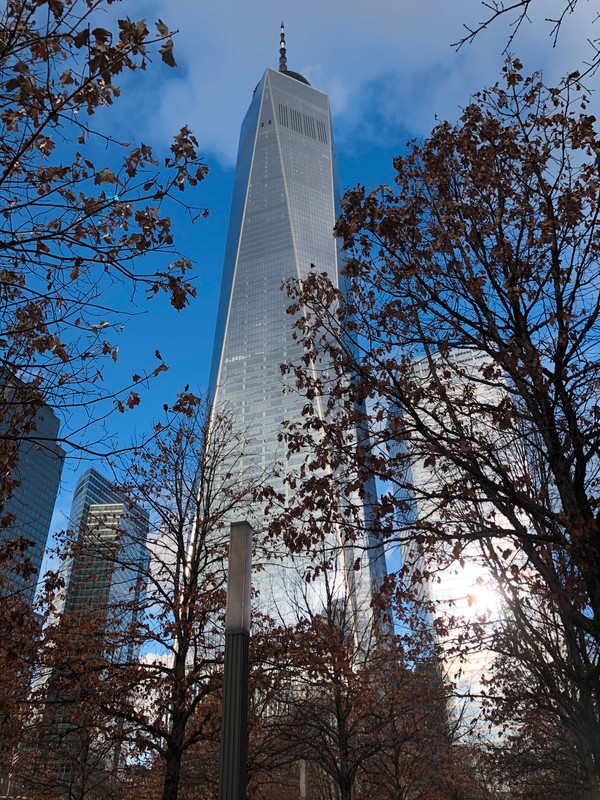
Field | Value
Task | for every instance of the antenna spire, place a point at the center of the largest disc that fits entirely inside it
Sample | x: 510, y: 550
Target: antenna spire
x: 282, y: 55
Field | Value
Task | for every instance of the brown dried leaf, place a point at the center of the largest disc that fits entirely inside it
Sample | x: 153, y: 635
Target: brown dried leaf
x: 166, y: 52
x: 133, y: 400
x: 82, y: 38
x: 57, y: 7
x: 102, y: 35
x: 162, y: 28
x: 105, y: 176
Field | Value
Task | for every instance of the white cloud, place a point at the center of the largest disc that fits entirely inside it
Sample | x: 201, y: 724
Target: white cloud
x: 399, y: 50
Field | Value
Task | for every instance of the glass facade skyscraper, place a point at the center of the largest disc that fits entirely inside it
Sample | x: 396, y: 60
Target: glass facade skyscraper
x: 285, y: 203
x: 103, y: 587
x: 111, y: 533
x: 27, y: 513
x: 456, y: 585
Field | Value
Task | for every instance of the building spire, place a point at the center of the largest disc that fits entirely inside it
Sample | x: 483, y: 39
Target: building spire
x: 282, y: 55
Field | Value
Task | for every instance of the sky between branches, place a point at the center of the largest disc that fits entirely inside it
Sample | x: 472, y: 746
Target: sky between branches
x: 390, y: 71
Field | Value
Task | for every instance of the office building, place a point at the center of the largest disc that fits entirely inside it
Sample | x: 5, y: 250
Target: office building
x: 284, y: 206
x: 453, y: 585
x: 104, y: 583
x: 34, y: 460
x: 105, y: 574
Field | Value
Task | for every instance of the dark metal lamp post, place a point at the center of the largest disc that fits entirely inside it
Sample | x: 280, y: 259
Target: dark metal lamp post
x: 234, y: 724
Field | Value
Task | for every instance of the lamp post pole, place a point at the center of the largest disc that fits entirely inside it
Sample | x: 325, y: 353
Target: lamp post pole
x: 234, y: 724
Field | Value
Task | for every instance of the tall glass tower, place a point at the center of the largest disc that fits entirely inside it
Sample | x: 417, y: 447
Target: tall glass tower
x: 285, y: 203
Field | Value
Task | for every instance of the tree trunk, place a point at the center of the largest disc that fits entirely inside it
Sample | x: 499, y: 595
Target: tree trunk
x: 591, y: 778
x: 346, y: 788
x: 173, y: 755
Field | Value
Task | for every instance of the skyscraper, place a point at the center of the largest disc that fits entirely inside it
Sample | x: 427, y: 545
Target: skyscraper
x: 103, y: 576
x: 103, y: 582
x: 454, y: 583
x: 285, y: 203
x: 35, y: 469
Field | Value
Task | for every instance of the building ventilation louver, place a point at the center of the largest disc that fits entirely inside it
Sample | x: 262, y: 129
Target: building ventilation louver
x: 303, y: 123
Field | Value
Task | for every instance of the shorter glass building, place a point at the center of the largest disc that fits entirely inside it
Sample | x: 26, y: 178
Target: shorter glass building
x: 104, y: 575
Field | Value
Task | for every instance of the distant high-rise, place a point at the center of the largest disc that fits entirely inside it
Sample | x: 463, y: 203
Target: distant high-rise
x: 285, y: 203
x: 104, y: 575
x: 103, y: 584
x: 35, y: 466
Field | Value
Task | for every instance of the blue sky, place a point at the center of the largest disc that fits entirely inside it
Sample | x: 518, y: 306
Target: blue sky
x: 390, y: 71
